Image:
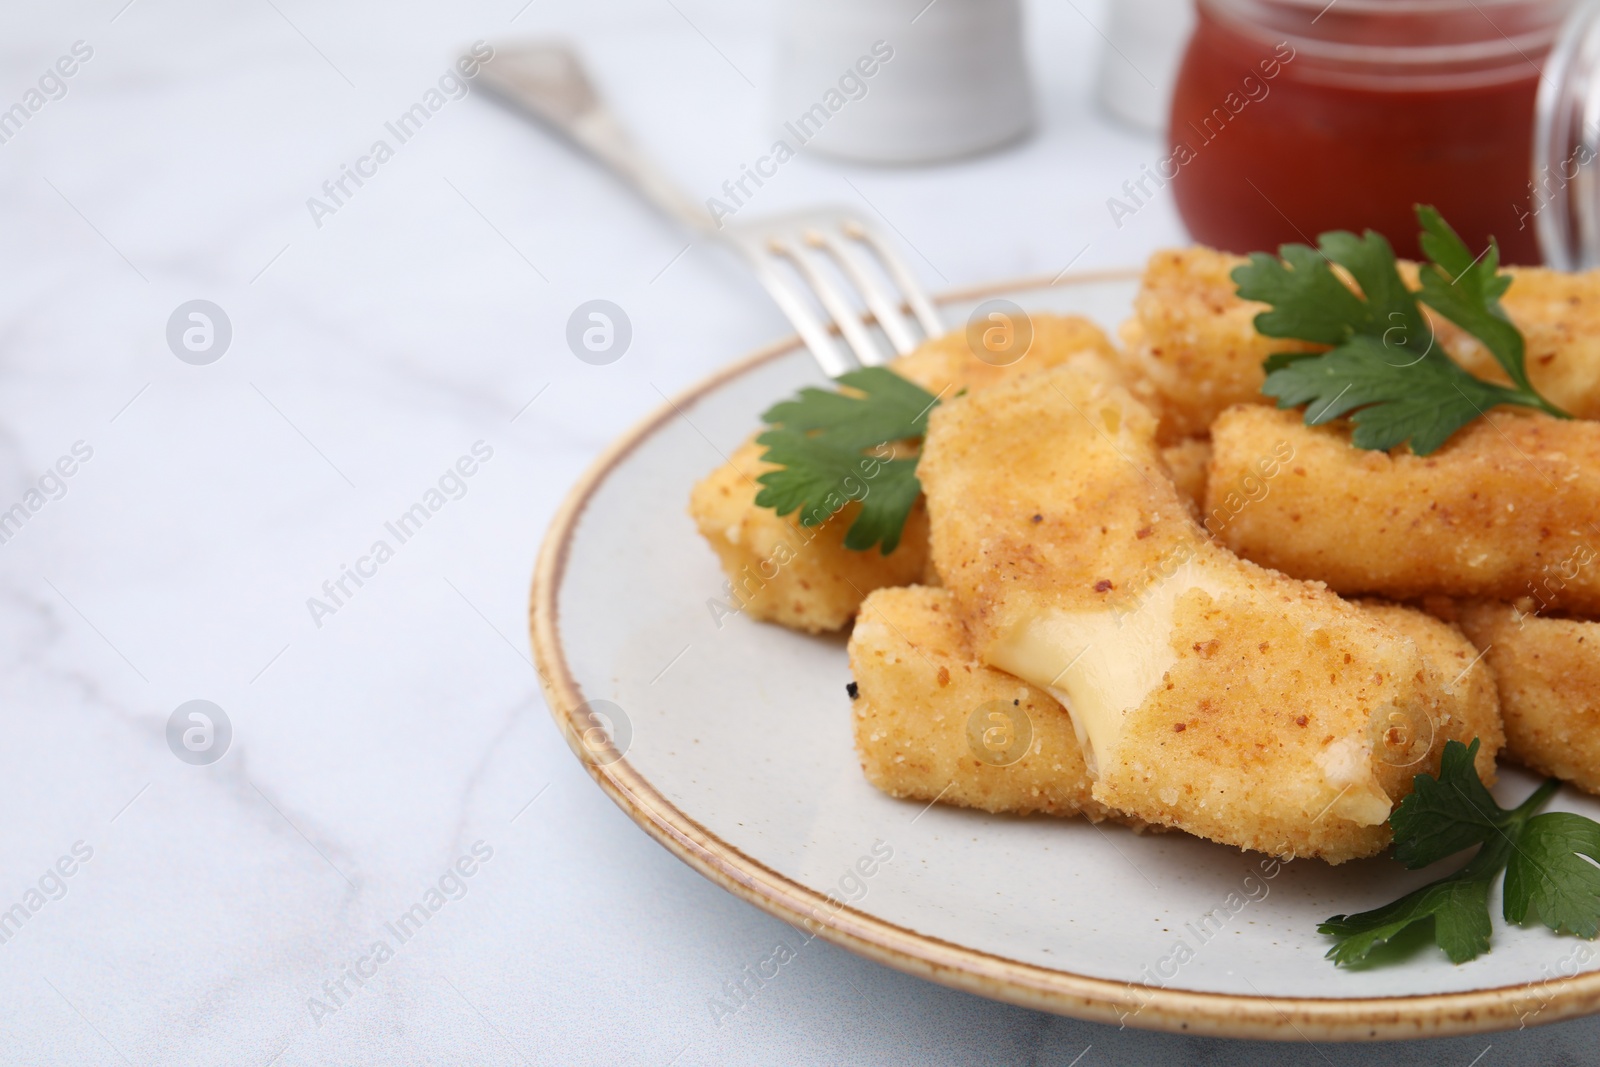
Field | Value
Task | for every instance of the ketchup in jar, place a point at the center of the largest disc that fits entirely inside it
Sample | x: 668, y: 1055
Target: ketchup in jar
x: 1294, y: 117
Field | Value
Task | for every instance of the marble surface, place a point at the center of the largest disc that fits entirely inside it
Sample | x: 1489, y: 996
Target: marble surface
x: 391, y: 748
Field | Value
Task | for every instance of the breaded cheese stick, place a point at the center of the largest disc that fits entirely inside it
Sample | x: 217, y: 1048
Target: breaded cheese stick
x: 778, y: 570
x: 1471, y: 705
x: 934, y: 723
x: 1192, y: 345
x: 1187, y: 463
x: 1194, y: 351
x: 1559, y: 316
x: 804, y: 578
x: 931, y: 722
x: 1207, y: 693
x: 946, y: 365
x: 1549, y: 676
x: 1509, y: 507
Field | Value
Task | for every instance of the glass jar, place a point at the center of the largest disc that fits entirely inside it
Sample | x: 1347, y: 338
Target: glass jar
x: 1293, y: 117
x: 1564, y: 192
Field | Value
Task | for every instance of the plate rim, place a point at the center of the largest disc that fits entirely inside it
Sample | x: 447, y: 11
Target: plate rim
x: 1101, y: 1000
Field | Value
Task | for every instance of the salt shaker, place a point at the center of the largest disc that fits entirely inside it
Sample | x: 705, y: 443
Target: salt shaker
x: 901, y: 81
x: 1139, y: 64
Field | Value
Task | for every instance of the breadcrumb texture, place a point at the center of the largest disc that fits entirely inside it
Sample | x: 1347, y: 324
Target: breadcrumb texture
x: 1192, y: 345
x: 1187, y: 463
x: 946, y: 365
x: 1470, y: 695
x: 1559, y: 316
x: 800, y: 577
x: 1268, y: 722
x: 926, y: 709
x: 1505, y: 509
x: 1549, y: 675
x: 1194, y: 351
x: 805, y: 579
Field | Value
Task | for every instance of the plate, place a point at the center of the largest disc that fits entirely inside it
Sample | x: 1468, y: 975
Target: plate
x: 729, y: 741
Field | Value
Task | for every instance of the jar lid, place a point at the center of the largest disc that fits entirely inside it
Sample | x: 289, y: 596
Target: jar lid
x: 1418, y: 45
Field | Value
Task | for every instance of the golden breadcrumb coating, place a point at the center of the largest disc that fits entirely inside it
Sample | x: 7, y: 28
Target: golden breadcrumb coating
x: 1471, y: 704
x: 1209, y: 694
x: 800, y: 577
x: 1506, y: 509
x: 1192, y: 344
x: 1559, y: 316
x: 1194, y: 351
x: 1187, y: 462
x: 805, y: 579
x: 926, y: 710
x: 932, y: 722
x: 946, y: 365
x: 1549, y: 675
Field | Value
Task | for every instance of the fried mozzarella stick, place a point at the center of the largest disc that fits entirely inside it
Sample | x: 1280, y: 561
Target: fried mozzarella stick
x: 932, y: 723
x: 1507, y: 508
x: 804, y: 578
x: 1549, y: 676
x: 1471, y: 706
x: 1559, y: 316
x: 946, y: 365
x: 797, y: 576
x: 1187, y: 463
x: 1194, y: 351
x: 1192, y: 346
x: 1207, y: 693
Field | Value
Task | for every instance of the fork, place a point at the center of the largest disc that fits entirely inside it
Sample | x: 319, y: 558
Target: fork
x: 546, y: 80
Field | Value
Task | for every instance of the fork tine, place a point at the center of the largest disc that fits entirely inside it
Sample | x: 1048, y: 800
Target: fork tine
x: 883, y: 309
x: 844, y: 316
x: 809, y: 241
x: 920, y: 305
x: 800, y: 315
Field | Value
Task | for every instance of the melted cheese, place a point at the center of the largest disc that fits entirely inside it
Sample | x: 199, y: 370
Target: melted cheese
x: 1103, y: 664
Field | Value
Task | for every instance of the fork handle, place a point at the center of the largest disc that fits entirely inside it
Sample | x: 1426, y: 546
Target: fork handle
x: 547, y: 82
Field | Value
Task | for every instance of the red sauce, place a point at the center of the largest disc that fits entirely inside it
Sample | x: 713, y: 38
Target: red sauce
x: 1280, y: 148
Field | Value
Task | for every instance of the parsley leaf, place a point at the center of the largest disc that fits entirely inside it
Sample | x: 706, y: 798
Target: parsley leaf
x: 1446, y: 814
x: 1458, y: 906
x: 1384, y: 369
x: 1309, y: 302
x: 835, y: 447
x: 881, y: 407
x: 1546, y: 860
x: 1425, y: 401
x: 1549, y: 876
x: 1467, y: 290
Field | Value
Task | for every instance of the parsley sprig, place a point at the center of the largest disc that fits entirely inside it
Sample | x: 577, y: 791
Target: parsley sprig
x: 835, y: 447
x: 1546, y: 860
x: 1384, y: 368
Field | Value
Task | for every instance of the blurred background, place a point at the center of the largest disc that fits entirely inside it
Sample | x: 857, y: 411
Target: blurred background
x: 250, y: 361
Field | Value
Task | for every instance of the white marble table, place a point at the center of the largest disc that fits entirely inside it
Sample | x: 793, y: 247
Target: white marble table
x: 390, y: 744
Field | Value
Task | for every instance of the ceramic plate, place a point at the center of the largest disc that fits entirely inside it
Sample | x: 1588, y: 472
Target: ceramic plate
x: 729, y: 741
